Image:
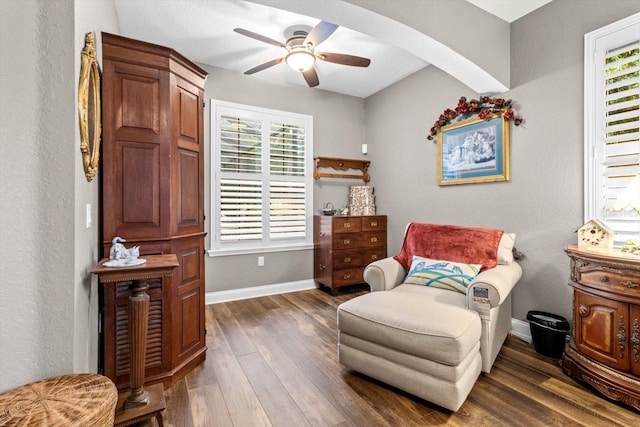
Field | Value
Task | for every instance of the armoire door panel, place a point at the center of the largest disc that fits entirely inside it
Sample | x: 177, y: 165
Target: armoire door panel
x: 191, y: 329
x: 190, y: 263
x: 189, y: 189
x: 188, y: 115
x: 140, y: 163
x: 140, y: 103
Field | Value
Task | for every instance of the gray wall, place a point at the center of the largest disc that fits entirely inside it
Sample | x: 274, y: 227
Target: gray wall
x: 338, y: 131
x: 48, y: 300
x: 543, y: 201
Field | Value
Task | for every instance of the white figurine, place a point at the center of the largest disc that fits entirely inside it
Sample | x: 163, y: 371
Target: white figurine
x: 118, y: 251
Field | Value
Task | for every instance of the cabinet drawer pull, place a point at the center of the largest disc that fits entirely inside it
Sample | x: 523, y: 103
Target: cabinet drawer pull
x: 374, y: 257
x: 374, y: 223
x: 347, y: 276
x: 322, y: 267
x: 635, y: 341
x: 347, y: 225
x: 374, y: 239
x: 629, y: 284
x: 583, y: 310
x: 347, y: 259
x: 622, y: 338
x: 322, y: 234
x: 604, y: 279
x: 346, y: 241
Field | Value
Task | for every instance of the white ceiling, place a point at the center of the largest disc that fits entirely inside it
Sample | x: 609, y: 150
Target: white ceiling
x: 202, y: 30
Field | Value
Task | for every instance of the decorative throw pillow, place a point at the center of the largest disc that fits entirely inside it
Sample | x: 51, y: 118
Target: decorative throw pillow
x: 450, y: 275
x: 505, y: 248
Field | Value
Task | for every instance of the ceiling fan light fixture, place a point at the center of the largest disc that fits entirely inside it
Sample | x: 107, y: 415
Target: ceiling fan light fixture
x: 300, y: 59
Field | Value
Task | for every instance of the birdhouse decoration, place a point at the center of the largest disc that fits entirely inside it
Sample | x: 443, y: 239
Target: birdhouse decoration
x: 595, y: 234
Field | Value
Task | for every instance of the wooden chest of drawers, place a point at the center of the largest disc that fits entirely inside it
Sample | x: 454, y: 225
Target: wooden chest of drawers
x: 604, y: 350
x: 345, y: 245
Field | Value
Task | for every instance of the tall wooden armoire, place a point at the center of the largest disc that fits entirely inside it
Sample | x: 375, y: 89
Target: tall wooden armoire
x: 152, y: 195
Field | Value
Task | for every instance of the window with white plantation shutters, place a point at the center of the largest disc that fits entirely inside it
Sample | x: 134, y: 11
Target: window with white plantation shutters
x: 612, y: 125
x: 262, y: 179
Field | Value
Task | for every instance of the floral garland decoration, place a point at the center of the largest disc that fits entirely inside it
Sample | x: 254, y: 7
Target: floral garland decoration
x: 483, y: 107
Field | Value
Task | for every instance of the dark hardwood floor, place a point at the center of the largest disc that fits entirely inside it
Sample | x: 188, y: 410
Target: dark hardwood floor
x: 272, y: 361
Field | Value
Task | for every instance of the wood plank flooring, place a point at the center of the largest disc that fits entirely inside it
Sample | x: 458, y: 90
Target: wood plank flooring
x: 272, y: 361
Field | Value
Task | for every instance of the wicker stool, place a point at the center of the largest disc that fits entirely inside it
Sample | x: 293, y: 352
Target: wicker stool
x: 68, y: 400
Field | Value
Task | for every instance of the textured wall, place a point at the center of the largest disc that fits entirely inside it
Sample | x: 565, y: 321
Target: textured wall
x: 37, y: 215
x: 48, y: 299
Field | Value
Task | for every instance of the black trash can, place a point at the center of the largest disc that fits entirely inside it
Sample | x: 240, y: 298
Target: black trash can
x: 548, y: 332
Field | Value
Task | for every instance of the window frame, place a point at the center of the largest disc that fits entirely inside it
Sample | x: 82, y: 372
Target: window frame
x: 266, y: 116
x: 594, y: 203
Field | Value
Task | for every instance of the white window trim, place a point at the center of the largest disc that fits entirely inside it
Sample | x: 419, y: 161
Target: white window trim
x: 590, y: 110
x: 217, y: 249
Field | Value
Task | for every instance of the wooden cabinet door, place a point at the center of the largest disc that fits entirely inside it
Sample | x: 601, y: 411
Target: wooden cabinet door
x: 602, y: 329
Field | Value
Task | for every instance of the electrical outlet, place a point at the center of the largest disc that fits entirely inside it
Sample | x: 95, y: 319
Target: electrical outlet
x: 260, y: 261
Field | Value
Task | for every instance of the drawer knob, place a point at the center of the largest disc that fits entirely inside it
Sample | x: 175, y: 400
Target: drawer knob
x: 347, y: 259
x: 347, y: 225
x: 322, y: 267
x: 374, y: 257
x: 347, y: 276
x: 374, y: 239
x: 629, y: 284
x: 374, y: 223
x: 604, y: 279
x: 583, y: 310
x: 346, y: 241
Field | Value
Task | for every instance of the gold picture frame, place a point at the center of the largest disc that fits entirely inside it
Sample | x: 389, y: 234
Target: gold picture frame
x: 89, y: 109
x: 474, y: 151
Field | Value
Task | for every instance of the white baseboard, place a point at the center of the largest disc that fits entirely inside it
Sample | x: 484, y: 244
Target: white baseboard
x: 258, y: 291
x: 520, y: 329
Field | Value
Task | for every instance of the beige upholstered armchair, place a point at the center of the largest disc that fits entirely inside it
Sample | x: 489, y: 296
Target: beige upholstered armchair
x: 431, y: 328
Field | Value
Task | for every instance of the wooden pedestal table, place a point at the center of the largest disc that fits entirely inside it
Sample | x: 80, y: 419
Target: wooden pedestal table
x: 140, y: 403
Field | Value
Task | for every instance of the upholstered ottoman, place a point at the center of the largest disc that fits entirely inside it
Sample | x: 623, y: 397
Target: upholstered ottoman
x: 69, y: 400
x: 409, y: 339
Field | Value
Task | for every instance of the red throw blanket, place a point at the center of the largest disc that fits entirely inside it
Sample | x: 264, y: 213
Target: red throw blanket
x: 450, y: 243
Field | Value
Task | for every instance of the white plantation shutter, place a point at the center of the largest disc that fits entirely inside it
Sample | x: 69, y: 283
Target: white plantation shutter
x: 612, y: 117
x: 262, y: 178
x: 287, y: 209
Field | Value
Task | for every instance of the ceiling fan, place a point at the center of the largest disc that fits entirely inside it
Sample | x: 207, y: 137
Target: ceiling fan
x: 301, y: 54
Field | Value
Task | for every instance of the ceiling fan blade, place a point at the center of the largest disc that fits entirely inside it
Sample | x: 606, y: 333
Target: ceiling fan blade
x: 258, y: 37
x: 320, y: 33
x: 339, y: 58
x: 311, y: 77
x: 264, y: 66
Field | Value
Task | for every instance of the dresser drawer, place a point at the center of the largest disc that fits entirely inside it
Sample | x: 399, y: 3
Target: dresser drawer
x: 610, y: 279
x: 348, y: 224
x: 347, y: 241
x: 347, y: 259
x: 371, y: 255
x: 347, y: 277
x: 374, y: 223
x: 373, y: 239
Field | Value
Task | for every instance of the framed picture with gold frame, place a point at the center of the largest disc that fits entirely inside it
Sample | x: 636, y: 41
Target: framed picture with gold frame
x: 473, y: 151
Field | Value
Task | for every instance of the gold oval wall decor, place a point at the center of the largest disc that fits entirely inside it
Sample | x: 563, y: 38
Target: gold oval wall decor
x: 89, y: 108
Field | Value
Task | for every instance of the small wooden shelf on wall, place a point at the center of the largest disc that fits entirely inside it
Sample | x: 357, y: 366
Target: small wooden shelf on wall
x: 341, y: 165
